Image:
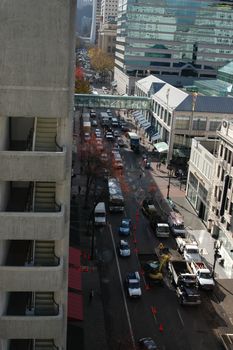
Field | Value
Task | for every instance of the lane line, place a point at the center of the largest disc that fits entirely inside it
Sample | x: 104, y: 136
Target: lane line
x: 180, y: 317
x: 122, y: 289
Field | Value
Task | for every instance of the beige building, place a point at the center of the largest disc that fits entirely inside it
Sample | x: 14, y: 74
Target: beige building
x: 221, y: 202
x: 36, y: 108
x: 202, y: 164
x: 107, y: 38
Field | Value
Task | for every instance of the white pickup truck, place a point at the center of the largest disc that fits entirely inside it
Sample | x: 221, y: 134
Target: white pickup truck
x: 189, y: 248
x: 204, y: 276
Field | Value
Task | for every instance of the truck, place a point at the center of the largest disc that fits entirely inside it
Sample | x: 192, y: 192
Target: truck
x: 134, y: 141
x: 100, y: 214
x: 204, y: 276
x: 188, y: 247
x: 185, y: 282
x: 176, y: 223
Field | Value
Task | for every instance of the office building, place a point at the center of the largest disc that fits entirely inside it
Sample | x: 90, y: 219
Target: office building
x: 181, y: 38
x: 221, y: 201
x: 178, y: 116
x: 36, y: 108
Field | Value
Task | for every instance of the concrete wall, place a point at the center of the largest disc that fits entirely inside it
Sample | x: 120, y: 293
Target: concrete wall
x: 35, y: 56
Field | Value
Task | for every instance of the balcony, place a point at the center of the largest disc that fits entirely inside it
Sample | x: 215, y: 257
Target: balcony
x: 33, y: 166
x: 33, y: 344
x: 26, y: 274
x: 25, y: 320
x: 17, y: 223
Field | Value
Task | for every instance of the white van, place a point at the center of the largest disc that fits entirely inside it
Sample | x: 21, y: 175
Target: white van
x: 176, y: 223
x: 100, y: 214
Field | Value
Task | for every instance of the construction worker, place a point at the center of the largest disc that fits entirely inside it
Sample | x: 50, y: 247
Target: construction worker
x: 161, y: 248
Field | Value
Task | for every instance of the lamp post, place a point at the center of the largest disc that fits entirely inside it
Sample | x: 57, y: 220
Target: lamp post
x: 169, y: 167
x: 217, y: 246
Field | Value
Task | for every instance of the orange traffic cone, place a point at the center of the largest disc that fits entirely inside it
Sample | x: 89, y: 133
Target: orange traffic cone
x: 161, y: 328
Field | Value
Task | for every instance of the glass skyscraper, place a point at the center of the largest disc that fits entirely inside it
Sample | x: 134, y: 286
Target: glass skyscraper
x: 178, y: 37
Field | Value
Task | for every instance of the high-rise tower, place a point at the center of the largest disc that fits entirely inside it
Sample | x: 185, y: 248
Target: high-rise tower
x: 36, y: 108
x: 182, y: 38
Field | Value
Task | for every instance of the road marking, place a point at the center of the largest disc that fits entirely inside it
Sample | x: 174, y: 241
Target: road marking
x: 122, y: 289
x: 180, y: 317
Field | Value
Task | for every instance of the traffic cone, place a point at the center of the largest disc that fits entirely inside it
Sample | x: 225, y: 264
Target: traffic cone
x: 161, y: 328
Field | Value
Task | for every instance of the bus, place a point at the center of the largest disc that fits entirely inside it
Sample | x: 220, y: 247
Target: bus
x: 134, y: 140
x: 116, y: 200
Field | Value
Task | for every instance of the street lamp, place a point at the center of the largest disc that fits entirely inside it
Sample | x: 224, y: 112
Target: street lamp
x: 217, y: 246
x: 169, y: 167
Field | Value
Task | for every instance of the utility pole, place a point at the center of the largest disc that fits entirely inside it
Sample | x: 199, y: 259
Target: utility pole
x: 169, y: 180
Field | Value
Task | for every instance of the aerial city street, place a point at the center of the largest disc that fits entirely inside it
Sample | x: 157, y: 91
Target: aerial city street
x: 116, y: 175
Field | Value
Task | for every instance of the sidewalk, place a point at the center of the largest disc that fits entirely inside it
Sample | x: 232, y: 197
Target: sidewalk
x: 93, y: 324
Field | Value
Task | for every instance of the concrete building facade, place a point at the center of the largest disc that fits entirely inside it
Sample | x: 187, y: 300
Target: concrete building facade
x: 178, y: 116
x: 221, y: 202
x: 202, y: 164
x: 36, y: 108
x: 179, y: 38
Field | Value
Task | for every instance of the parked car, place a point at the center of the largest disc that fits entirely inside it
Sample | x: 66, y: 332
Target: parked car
x: 125, y: 127
x: 124, y: 229
x: 124, y: 249
x: 94, y: 122
x: 147, y: 343
x: 109, y: 136
x: 116, y: 133
x: 87, y: 136
x: 133, y: 284
x: 120, y: 142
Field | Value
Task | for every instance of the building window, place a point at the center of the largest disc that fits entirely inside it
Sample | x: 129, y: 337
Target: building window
x: 169, y: 119
x: 229, y: 157
x: 165, y: 116
x: 221, y: 150
x: 193, y: 181
x: 203, y: 192
x: 182, y: 123
x: 222, y: 176
x: 215, y: 191
x: 219, y: 195
x: 199, y: 124
x: 230, y: 183
x: 213, y: 125
x: 218, y: 173
x: 225, y: 154
x: 228, y: 226
x: 227, y: 203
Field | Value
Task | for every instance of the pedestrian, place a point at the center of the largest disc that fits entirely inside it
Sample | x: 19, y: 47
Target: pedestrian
x: 159, y: 165
x: 79, y: 189
x: 91, y: 295
x: 140, y: 176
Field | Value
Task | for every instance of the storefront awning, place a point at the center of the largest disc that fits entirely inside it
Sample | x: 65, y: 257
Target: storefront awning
x: 140, y: 118
x: 146, y: 125
x: 155, y: 137
x: 75, y: 306
x: 161, y: 147
x: 136, y: 113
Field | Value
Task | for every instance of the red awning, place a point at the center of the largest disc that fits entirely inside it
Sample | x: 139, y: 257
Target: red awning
x: 74, y: 278
x: 74, y: 256
x: 75, y: 306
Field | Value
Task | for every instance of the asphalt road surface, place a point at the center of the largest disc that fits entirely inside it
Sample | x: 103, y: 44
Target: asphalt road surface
x: 157, y: 313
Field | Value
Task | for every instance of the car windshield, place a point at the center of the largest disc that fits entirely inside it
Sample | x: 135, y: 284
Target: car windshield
x: 179, y: 227
x: 124, y: 247
x: 163, y: 229
x: 134, y: 285
x: 154, y: 265
x: 125, y: 224
x: 192, y: 251
x: 205, y: 275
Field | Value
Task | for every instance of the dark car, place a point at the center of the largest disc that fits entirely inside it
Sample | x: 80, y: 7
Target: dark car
x: 125, y: 127
x: 147, y: 343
